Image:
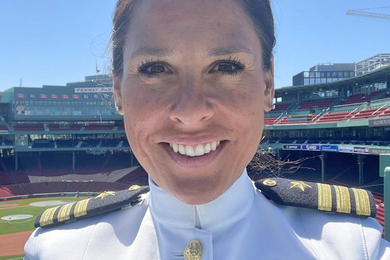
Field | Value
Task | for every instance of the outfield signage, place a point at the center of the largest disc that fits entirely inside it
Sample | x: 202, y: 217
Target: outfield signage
x: 330, y: 148
x: 93, y: 90
x: 363, y: 150
x: 379, y: 122
x: 311, y: 147
x: 379, y: 151
x: 345, y: 149
x: 291, y: 147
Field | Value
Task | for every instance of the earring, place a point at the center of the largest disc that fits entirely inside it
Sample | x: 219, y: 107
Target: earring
x: 117, y: 108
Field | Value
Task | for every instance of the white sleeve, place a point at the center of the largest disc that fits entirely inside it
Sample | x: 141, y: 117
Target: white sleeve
x: 29, y: 247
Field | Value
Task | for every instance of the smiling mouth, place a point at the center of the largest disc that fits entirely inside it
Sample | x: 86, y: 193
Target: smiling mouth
x: 196, y: 150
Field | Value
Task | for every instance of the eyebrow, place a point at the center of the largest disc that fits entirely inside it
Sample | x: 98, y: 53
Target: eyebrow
x: 163, y: 52
x: 220, y: 51
x: 152, y: 51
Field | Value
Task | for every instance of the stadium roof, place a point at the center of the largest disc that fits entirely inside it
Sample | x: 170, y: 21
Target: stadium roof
x: 378, y: 75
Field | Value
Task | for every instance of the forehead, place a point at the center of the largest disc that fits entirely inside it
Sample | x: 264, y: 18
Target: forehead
x: 197, y: 24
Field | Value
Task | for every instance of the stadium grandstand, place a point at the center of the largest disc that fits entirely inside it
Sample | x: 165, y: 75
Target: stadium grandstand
x: 70, y: 138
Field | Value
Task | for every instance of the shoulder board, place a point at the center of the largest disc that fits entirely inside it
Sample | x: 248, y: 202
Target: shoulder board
x: 324, y: 197
x: 105, y: 202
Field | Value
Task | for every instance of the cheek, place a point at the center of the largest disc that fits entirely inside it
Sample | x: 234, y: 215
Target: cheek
x: 145, y: 108
x: 243, y: 100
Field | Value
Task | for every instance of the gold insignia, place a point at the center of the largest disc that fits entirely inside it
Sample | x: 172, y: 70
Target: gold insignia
x: 362, y: 202
x: 81, y: 208
x: 134, y: 187
x: 193, y: 250
x: 299, y: 185
x: 324, y: 197
x: 269, y: 183
x: 343, y: 200
x: 64, y: 213
x: 105, y: 194
x: 47, y: 217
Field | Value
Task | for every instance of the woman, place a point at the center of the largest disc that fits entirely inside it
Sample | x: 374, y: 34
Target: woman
x: 192, y: 80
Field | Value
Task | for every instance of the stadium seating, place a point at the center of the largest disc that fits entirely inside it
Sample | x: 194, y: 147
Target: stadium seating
x: 309, y: 105
x: 368, y: 112
x: 66, y: 143
x: 281, y: 107
x: 4, y: 178
x: 3, y: 128
x: 304, y: 119
x: 385, y: 112
x: 270, y: 120
x: 98, y: 127
x: 58, y: 127
x: 330, y: 117
x: 37, y: 127
x: 90, y: 143
x: 359, y: 98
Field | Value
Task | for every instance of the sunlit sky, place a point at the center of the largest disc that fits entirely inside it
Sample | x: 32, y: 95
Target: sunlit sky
x: 46, y: 42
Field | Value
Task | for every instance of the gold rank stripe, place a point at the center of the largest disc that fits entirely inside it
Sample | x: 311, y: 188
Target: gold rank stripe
x: 81, y: 208
x: 47, y: 217
x: 343, y: 200
x: 64, y: 213
x: 362, y: 202
x: 324, y: 197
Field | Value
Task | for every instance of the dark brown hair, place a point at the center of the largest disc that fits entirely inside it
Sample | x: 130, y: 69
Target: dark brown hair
x: 259, y: 12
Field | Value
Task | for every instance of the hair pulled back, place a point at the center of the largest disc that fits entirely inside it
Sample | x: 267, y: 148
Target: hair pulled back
x: 259, y: 12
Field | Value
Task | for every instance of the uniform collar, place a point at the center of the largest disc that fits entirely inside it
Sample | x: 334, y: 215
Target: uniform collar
x: 222, y: 212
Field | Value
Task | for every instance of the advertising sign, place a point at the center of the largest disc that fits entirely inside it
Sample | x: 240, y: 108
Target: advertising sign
x: 330, y: 148
x: 345, y: 149
x: 363, y: 150
x: 379, y: 122
x: 291, y: 147
x: 379, y: 151
x: 311, y: 147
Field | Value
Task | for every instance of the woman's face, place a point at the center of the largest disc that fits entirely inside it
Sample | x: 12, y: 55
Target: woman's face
x: 193, y: 93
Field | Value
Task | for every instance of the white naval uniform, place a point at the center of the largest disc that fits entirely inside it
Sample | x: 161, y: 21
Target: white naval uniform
x: 240, y: 224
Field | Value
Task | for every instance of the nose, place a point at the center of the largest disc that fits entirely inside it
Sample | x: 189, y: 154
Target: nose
x: 192, y: 107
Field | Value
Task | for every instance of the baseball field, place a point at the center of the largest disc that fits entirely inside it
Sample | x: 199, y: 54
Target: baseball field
x: 17, y: 222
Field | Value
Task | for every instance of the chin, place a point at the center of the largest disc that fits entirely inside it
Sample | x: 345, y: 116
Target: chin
x: 198, y: 192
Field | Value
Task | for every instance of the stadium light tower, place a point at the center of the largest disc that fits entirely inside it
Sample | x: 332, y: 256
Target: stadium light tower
x: 368, y: 14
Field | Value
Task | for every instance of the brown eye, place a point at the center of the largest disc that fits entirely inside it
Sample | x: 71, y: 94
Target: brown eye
x: 229, y: 67
x: 151, y: 69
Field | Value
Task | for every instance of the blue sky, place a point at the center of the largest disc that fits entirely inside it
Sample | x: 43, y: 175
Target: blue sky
x: 48, y: 42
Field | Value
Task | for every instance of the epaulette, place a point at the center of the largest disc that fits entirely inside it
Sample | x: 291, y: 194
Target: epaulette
x: 105, y: 202
x: 325, y: 197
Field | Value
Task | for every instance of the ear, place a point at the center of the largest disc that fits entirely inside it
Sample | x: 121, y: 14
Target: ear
x: 118, y: 95
x: 269, y: 90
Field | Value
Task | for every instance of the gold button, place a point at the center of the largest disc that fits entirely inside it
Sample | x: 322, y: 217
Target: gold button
x: 193, y: 250
x: 269, y: 182
x: 134, y: 187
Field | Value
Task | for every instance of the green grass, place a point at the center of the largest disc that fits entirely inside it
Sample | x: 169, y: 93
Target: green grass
x: 12, y: 257
x: 14, y: 226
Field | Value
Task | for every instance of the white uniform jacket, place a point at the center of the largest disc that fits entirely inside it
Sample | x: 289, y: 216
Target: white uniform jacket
x: 240, y: 224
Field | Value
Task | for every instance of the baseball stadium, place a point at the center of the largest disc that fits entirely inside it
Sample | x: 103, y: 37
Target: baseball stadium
x: 62, y: 144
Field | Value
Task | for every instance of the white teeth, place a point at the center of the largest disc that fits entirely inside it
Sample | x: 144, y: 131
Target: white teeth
x: 213, y: 146
x: 175, y: 148
x: 207, y: 148
x: 199, y: 149
x: 190, y: 151
x: 182, y: 150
